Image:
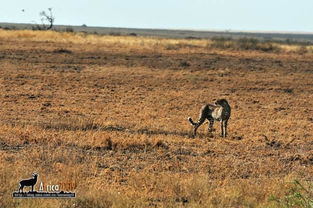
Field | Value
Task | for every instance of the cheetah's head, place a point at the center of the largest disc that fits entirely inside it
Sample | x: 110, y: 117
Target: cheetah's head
x: 221, y: 102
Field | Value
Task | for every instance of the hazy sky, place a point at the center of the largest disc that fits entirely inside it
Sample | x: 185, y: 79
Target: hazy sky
x: 256, y: 15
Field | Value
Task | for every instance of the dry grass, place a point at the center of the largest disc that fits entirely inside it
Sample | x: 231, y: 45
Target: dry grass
x: 109, y: 115
x: 125, y: 42
x: 153, y: 44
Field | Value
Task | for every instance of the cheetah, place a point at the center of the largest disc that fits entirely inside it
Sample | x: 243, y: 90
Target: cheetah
x: 219, y: 111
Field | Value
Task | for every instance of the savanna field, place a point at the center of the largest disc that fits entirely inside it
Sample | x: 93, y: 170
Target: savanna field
x: 106, y: 116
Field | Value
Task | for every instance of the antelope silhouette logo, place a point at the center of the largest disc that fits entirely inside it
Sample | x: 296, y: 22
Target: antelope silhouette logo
x: 28, y: 182
x: 49, y: 191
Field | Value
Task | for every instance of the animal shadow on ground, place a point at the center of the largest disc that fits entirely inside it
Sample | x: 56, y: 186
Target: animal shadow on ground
x: 116, y: 128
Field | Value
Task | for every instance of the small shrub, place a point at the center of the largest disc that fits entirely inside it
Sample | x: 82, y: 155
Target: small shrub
x: 161, y: 144
x: 267, y: 47
x: 298, y: 195
x: 69, y: 29
x: 221, y: 39
x: 192, y: 38
x: 222, y: 43
x: 115, y: 34
x: 62, y: 50
x: 184, y: 64
x: 9, y: 28
x: 37, y: 27
x: 247, y: 44
x: 243, y: 44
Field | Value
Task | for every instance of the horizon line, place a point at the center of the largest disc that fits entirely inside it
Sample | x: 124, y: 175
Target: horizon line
x: 177, y: 29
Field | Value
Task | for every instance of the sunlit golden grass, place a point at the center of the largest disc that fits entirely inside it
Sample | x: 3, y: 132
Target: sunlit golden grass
x: 113, y: 121
x: 131, y: 42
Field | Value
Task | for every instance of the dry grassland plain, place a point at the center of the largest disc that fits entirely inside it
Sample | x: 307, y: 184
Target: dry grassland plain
x: 109, y: 115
